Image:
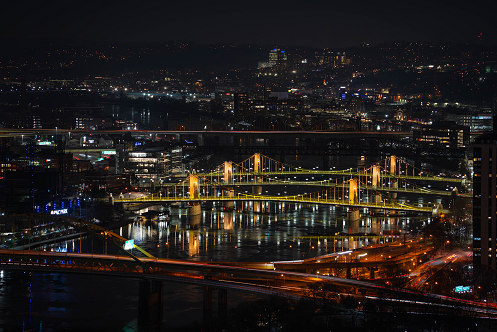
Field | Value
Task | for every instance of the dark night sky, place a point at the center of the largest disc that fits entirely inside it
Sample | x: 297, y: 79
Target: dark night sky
x: 317, y: 23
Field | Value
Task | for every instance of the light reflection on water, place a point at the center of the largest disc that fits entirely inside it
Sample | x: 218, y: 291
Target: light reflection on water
x: 60, y: 301
x: 253, y: 232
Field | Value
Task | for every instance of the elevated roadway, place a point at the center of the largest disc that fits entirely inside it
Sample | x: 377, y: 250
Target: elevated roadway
x: 289, y: 284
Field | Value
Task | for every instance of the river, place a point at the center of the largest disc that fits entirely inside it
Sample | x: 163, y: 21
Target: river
x: 60, y: 302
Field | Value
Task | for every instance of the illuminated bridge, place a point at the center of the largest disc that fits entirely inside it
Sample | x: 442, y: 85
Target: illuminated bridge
x: 360, y: 188
x: 387, y: 169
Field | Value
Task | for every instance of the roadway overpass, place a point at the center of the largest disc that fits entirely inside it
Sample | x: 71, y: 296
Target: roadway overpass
x: 212, y: 274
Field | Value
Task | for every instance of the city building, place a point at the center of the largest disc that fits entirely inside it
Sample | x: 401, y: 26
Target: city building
x: 241, y: 103
x: 154, y: 163
x: 26, y: 120
x: 477, y: 122
x: 485, y: 201
x: 277, y: 57
x: 442, y: 134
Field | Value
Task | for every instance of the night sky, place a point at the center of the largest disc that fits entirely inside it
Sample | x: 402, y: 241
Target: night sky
x: 317, y: 23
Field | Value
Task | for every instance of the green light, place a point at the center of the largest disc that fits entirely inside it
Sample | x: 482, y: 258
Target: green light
x: 129, y: 244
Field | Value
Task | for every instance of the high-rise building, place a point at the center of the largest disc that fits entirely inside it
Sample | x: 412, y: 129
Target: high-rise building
x: 241, y: 102
x: 485, y: 201
x: 277, y: 57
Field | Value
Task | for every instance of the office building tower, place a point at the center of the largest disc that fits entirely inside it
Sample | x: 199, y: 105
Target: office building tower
x: 485, y: 201
x: 277, y: 57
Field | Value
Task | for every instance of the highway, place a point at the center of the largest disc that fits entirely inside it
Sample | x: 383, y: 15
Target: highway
x: 263, y: 280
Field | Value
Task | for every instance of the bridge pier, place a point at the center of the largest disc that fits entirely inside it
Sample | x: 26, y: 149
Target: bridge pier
x: 393, y: 170
x: 372, y: 271
x: 222, y: 303
x: 257, y: 190
x: 376, y: 199
x: 353, y: 215
x: 229, y: 205
x: 207, y: 309
x: 194, y: 209
x: 394, y: 185
x: 150, y: 293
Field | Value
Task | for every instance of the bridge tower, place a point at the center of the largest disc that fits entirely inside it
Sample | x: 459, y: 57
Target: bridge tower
x: 376, y: 181
x: 228, y: 178
x: 194, y: 209
x: 257, y: 163
x: 394, y: 184
x: 376, y: 176
x: 353, y: 214
x: 257, y: 190
x: 228, y: 171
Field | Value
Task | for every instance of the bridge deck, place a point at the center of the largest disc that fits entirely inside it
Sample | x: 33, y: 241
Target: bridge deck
x: 288, y: 199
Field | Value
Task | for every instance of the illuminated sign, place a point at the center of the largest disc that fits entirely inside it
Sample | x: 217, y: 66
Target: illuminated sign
x: 44, y: 143
x: 108, y: 152
x: 57, y: 212
x: 462, y: 289
x: 129, y: 244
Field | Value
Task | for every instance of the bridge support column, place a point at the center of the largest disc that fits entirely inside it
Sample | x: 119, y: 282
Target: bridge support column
x: 257, y: 190
x: 372, y: 271
x: 222, y: 305
x: 394, y: 185
x: 194, y: 209
x: 376, y: 199
x: 229, y: 205
x: 393, y: 170
x: 150, y: 293
x: 353, y: 215
x: 207, y: 310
